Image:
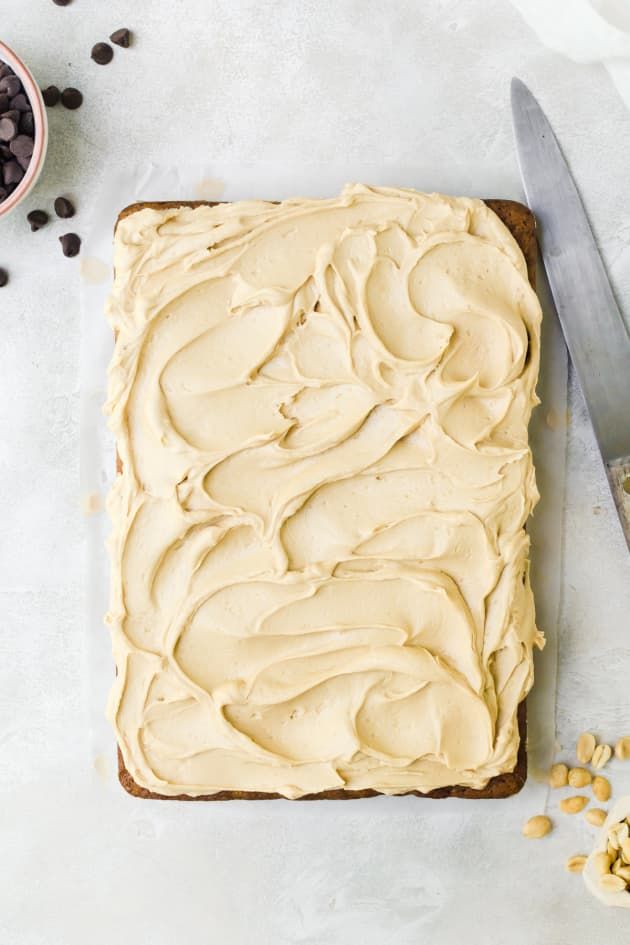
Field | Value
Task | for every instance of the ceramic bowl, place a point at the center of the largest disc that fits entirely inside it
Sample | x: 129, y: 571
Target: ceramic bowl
x: 34, y: 95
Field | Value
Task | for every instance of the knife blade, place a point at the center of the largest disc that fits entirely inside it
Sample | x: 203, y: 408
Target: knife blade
x: 595, y: 332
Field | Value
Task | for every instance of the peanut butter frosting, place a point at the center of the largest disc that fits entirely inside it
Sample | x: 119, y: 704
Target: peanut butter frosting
x: 319, y: 560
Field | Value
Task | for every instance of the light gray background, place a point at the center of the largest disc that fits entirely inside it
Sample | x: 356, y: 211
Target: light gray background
x: 286, y: 82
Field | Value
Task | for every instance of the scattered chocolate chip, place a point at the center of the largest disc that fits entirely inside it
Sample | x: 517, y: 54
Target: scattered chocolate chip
x: 51, y: 96
x: 4, y: 278
x: 121, y: 38
x: 8, y: 128
x: 12, y: 173
x: 37, y: 219
x: 62, y: 3
x: 102, y: 53
x: 27, y: 124
x: 64, y: 208
x: 71, y: 98
x: 20, y: 102
x: 70, y: 244
x: 10, y: 85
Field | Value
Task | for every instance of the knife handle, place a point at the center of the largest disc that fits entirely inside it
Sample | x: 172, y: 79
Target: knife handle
x: 618, y: 471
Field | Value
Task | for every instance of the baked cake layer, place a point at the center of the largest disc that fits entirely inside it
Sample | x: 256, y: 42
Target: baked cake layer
x: 320, y: 580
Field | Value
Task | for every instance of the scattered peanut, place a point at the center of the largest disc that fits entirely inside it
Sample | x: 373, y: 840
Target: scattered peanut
x: 575, y: 864
x: 573, y: 805
x: 579, y: 777
x: 624, y: 872
x: 602, y: 863
x: 625, y: 850
x: 612, y: 883
x: 601, y: 756
x: 596, y: 816
x: 585, y: 747
x: 601, y: 788
x: 622, y: 748
x: 558, y: 775
x: 536, y: 827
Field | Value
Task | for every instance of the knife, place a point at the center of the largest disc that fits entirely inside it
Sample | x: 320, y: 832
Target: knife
x: 594, y: 330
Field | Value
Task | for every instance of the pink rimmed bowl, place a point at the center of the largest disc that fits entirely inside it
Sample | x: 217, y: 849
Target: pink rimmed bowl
x: 40, y: 121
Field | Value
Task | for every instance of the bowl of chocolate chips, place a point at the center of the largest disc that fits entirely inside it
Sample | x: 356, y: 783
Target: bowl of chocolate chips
x: 23, y: 130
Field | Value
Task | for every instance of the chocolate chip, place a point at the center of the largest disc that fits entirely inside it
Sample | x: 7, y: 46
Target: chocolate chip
x: 27, y: 123
x: 51, y: 96
x: 22, y: 147
x: 121, y: 38
x: 37, y: 219
x: 12, y: 173
x: 8, y: 128
x: 4, y: 102
x: 3, y: 194
x: 5, y: 153
x: 70, y: 244
x: 64, y: 208
x: 102, y: 53
x: 10, y: 85
x: 71, y: 98
x: 21, y: 103
x: 4, y: 278
x: 5, y: 70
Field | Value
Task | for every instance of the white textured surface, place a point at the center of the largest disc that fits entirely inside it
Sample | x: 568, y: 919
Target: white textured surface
x: 585, y: 31
x: 287, y: 82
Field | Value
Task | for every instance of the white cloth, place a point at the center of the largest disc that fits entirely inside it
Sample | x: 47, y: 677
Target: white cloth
x: 586, y: 31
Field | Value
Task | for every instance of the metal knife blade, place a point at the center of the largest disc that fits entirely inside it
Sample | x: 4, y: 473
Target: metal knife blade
x: 594, y: 329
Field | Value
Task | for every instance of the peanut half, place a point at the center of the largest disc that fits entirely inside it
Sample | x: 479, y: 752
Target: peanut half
x: 596, y: 816
x: 622, y: 748
x: 617, y: 834
x: 602, y: 863
x: 575, y: 864
x: 573, y: 805
x: 612, y: 883
x: 601, y: 756
x: 601, y: 788
x: 579, y: 777
x: 536, y: 827
x: 558, y: 775
x: 585, y: 747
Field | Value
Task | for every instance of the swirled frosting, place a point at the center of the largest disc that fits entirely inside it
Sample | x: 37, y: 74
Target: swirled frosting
x: 319, y: 562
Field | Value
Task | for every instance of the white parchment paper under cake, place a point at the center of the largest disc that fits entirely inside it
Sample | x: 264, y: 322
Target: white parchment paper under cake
x: 548, y: 429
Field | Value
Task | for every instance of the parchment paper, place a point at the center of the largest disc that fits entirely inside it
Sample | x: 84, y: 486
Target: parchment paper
x: 548, y: 428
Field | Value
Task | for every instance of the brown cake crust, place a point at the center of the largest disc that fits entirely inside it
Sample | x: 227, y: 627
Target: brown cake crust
x: 521, y: 223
